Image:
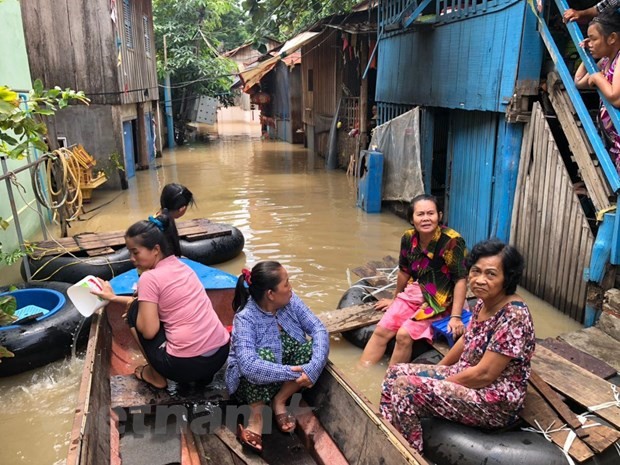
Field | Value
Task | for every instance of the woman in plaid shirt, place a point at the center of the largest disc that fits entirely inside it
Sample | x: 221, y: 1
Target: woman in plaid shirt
x: 278, y: 347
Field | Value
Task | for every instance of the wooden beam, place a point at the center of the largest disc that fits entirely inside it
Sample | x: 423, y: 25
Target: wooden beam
x: 576, y: 383
x: 231, y: 442
x: 593, y: 178
x: 349, y: 318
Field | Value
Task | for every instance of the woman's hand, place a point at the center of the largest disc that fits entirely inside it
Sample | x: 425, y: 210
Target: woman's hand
x: 382, y: 304
x: 106, y: 291
x: 595, y: 80
x: 303, y: 380
x: 456, y: 327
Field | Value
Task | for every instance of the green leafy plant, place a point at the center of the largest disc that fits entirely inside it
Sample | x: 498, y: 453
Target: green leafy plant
x: 22, y: 126
x: 8, y: 307
x: 21, y: 122
x: 112, y: 165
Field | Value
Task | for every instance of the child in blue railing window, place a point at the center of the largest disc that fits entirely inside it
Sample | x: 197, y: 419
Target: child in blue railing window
x: 603, y: 41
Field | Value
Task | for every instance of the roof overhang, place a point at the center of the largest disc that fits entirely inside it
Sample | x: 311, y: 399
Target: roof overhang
x: 255, y: 72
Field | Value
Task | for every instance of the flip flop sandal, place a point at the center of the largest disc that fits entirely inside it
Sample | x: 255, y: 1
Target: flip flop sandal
x: 249, y: 439
x: 283, y: 419
x: 139, y: 374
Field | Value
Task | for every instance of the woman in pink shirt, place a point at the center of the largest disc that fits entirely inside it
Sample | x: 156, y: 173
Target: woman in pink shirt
x: 174, y: 320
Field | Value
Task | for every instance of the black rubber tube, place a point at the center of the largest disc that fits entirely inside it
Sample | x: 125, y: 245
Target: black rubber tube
x: 38, y: 343
x: 216, y: 250
x: 449, y: 443
x: 70, y: 269
x: 358, y: 337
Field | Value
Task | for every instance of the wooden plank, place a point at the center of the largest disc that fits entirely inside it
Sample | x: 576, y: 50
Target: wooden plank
x: 585, y: 252
x: 557, y: 404
x: 349, y: 318
x: 213, y: 451
x: 578, y: 357
x: 597, y: 343
x: 555, y: 234
x: 536, y: 412
x: 576, y: 383
x: 100, y: 251
x: 127, y: 391
x: 230, y: 440
x: 370, y: 268
x: 597, y: 187
x: 595, y: 436
x: 195, y: 229
x: 557, y: 276
x: 526, y: 150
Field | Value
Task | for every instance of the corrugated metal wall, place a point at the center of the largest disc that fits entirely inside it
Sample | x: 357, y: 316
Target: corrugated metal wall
x: 471, y: 159
x: 468, y: 64
x: 137, y: 76
x: 549, y: 226
x: 322, y: 63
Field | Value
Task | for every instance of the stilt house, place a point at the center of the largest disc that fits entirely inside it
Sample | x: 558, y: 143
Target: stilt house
x: 107, y: 50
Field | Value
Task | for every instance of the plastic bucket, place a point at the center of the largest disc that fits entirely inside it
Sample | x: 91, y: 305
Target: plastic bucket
x: 84, y: 301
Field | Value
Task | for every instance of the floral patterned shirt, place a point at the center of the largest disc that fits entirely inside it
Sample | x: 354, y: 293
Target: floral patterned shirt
x: 509, y: 332
x: 437, y: 268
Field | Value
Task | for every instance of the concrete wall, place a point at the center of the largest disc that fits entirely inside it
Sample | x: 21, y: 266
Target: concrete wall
x: 100, y: 131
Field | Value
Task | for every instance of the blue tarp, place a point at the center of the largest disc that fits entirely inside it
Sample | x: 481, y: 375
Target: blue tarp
x: 211, y: 278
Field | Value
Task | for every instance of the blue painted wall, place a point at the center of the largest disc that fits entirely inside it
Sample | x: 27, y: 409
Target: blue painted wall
x: 471, y: 155
x: 470, y: 63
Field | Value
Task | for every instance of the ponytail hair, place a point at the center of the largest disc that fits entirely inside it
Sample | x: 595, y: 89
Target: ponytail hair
x: 175, y: 196
x: 264, y: 276
x: 160, y: 230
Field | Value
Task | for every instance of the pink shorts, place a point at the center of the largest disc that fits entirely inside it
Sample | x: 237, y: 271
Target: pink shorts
x: 399, y: 314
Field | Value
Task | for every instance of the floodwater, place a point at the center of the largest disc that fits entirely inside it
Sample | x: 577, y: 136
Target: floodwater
x: 289, y: 209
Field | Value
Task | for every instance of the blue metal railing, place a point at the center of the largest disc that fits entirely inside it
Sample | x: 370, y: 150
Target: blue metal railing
x: 609, y: 169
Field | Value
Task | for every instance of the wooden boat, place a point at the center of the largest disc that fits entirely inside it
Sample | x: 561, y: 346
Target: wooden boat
x: 104, y: 254
x: 340, y: 426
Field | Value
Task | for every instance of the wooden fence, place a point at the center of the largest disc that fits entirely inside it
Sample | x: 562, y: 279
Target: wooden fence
x: 549, y: 226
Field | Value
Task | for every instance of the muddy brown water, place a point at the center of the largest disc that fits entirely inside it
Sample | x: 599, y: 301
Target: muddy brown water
x: 289, y: 209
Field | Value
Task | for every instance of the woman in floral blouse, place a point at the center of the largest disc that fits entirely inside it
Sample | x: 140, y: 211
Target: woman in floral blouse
x: 431, y: 280
x: 482, y: 381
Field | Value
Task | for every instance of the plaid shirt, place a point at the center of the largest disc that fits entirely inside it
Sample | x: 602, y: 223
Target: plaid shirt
x: 254, y: 328
x: 606, y: 5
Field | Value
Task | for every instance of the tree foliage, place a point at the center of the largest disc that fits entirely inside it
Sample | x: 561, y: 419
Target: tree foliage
x: 190, y: 56
x: 282, y: 19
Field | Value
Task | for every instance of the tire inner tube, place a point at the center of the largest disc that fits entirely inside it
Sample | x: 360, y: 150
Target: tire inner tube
x: 71, y: 269
x: 68, y: 269
x: 214, y: 250
x: 449, y: 443
x: 357, y: 295
x: 44, y: 339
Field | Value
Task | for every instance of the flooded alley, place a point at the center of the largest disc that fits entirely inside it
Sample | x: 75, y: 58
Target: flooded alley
x: 288, y: 207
